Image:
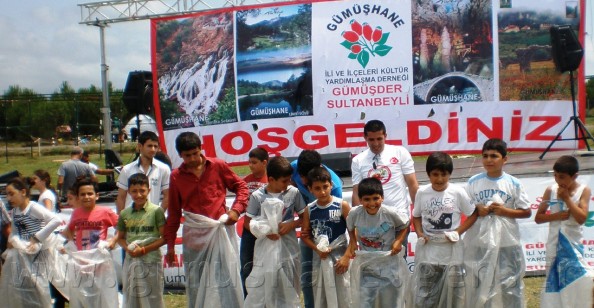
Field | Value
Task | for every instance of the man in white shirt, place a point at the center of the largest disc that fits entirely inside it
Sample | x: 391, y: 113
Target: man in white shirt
x: 157, y: 172
x: 392, y: 165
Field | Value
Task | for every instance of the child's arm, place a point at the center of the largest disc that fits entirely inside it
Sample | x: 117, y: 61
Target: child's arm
x: 307, y: 237
x: 541, y: 214
x: 500, y: 210
x: 140, y: 251
x: 579, y: 211
x: 288, y: 226
x: 121, y: 240
x: 342, y: 265
x: 418, y: 223
x: 470, y: 220
x: 112, y: 241
x: 400, y: 236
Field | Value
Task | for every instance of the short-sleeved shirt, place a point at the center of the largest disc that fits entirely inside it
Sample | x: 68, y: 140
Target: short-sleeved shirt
x: 291, y: 198
x: 390, y: 168
x: 293, y: 204
x: 158, y: 175
x: 90, y: 227
x: 143, y: 224
x: 34, y: 220
x: 376, y: 232
x: 48, y: 195
x: 254, y: 183
x: 481, y: 189
x: 327, y: 219
x: 308, y: 196
x: 441, y: 210
x: 71, y: 170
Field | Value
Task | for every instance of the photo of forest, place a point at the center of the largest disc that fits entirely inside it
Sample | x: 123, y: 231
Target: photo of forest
x: 526, y: 68
x: 274, y: 74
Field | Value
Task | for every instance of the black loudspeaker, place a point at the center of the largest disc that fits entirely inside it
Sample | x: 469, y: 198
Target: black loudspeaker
x: 566, y: 49
x: 340, y: 163
x: 138, y: 93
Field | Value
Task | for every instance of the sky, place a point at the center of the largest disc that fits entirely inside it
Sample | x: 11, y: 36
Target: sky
x: 43, y: 45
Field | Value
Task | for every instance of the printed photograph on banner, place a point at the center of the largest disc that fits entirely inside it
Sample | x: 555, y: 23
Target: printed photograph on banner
x: 452, y: 51
x: 527, y: 70
x: 195, y: 70
x: 361, y: 57
x: 274, y: 62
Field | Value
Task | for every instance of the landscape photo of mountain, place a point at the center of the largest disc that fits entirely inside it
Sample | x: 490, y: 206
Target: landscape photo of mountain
x: 274, y: 74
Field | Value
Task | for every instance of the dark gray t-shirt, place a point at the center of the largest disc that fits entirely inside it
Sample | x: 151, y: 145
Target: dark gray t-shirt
x: 71, y: 170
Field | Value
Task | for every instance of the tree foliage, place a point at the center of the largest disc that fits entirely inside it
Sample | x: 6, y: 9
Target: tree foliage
x: 27, y: 115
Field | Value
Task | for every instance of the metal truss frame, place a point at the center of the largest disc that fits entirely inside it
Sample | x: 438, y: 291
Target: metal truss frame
x: 104, y: 12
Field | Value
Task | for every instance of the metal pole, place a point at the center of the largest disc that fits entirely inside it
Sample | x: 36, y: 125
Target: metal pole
x: 105, y: 110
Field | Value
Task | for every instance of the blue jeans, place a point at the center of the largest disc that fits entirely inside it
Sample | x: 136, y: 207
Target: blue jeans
x: 306, y: 275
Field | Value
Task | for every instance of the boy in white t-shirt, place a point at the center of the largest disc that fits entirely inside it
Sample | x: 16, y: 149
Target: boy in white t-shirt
x: 493, y: 256
x: 438, y: 279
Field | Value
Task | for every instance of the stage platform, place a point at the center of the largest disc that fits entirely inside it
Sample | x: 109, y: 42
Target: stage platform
x: 521, y: 165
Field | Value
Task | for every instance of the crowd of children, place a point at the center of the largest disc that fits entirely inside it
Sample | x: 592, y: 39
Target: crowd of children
x: 468, y: 251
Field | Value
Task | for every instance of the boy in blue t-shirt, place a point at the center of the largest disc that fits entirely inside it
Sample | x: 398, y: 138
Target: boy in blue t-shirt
x: 324, y: 226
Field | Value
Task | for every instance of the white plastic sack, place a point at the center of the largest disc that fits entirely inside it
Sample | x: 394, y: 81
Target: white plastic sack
x: 91, y: 279
x: 143, y: 283
x: 211, y: 262
x: 569, y: 281
x: 332, y: 290
x: 24, y: 282
x: 494, y: 263
x: 378, y: 279
x: 438, y: 277
x: 274, y: 280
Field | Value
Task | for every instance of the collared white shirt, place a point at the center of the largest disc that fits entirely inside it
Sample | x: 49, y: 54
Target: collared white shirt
x: 158, y: 174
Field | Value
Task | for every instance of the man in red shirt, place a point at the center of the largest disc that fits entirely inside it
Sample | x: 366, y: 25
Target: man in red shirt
x: 199, y: 186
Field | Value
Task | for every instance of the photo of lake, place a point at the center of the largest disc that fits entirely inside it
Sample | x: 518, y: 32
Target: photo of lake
x: 273, y: 54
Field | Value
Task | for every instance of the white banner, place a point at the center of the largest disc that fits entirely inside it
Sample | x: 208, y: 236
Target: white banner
x: 442, y: 75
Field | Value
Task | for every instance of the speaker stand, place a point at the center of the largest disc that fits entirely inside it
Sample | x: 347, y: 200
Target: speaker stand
x: 578, y: 126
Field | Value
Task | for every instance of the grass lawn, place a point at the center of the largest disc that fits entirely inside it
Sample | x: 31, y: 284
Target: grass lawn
x: 533, y: 286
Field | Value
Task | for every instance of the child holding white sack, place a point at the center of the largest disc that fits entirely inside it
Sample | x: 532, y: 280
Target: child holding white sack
x: 569, y: 277
x: 24, y: 281
x: 324, y: 231
x: 140, y: 233
x: 274, y: 280
x: 438, y: 278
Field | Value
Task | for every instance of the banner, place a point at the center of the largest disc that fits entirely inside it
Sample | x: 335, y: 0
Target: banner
x: 442, y: 75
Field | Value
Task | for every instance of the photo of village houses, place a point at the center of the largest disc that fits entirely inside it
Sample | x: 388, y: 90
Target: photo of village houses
x: 526, y: 68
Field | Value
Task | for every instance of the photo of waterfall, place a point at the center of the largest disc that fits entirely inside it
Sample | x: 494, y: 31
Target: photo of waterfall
x: 274, y: 62
x: 196, y: 71
x: 452, y: 51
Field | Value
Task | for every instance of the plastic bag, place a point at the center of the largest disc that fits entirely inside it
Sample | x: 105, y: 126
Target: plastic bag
x: 143, y: 283
x: 91, y: 279
x: 379, y: 279
x: 275, y: 277
x: 331, y: 290
x: 211, y: 261
x: 438, y: 277
x: 24, y: 282
x: 494, y: 263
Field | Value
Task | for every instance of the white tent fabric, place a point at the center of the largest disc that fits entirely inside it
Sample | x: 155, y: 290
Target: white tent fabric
x: 146, y: 123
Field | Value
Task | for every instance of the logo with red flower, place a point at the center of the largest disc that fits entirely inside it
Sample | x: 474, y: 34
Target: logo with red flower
x: 362, y: 41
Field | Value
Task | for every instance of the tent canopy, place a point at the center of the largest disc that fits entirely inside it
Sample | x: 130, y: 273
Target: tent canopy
x: 146, y: 123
